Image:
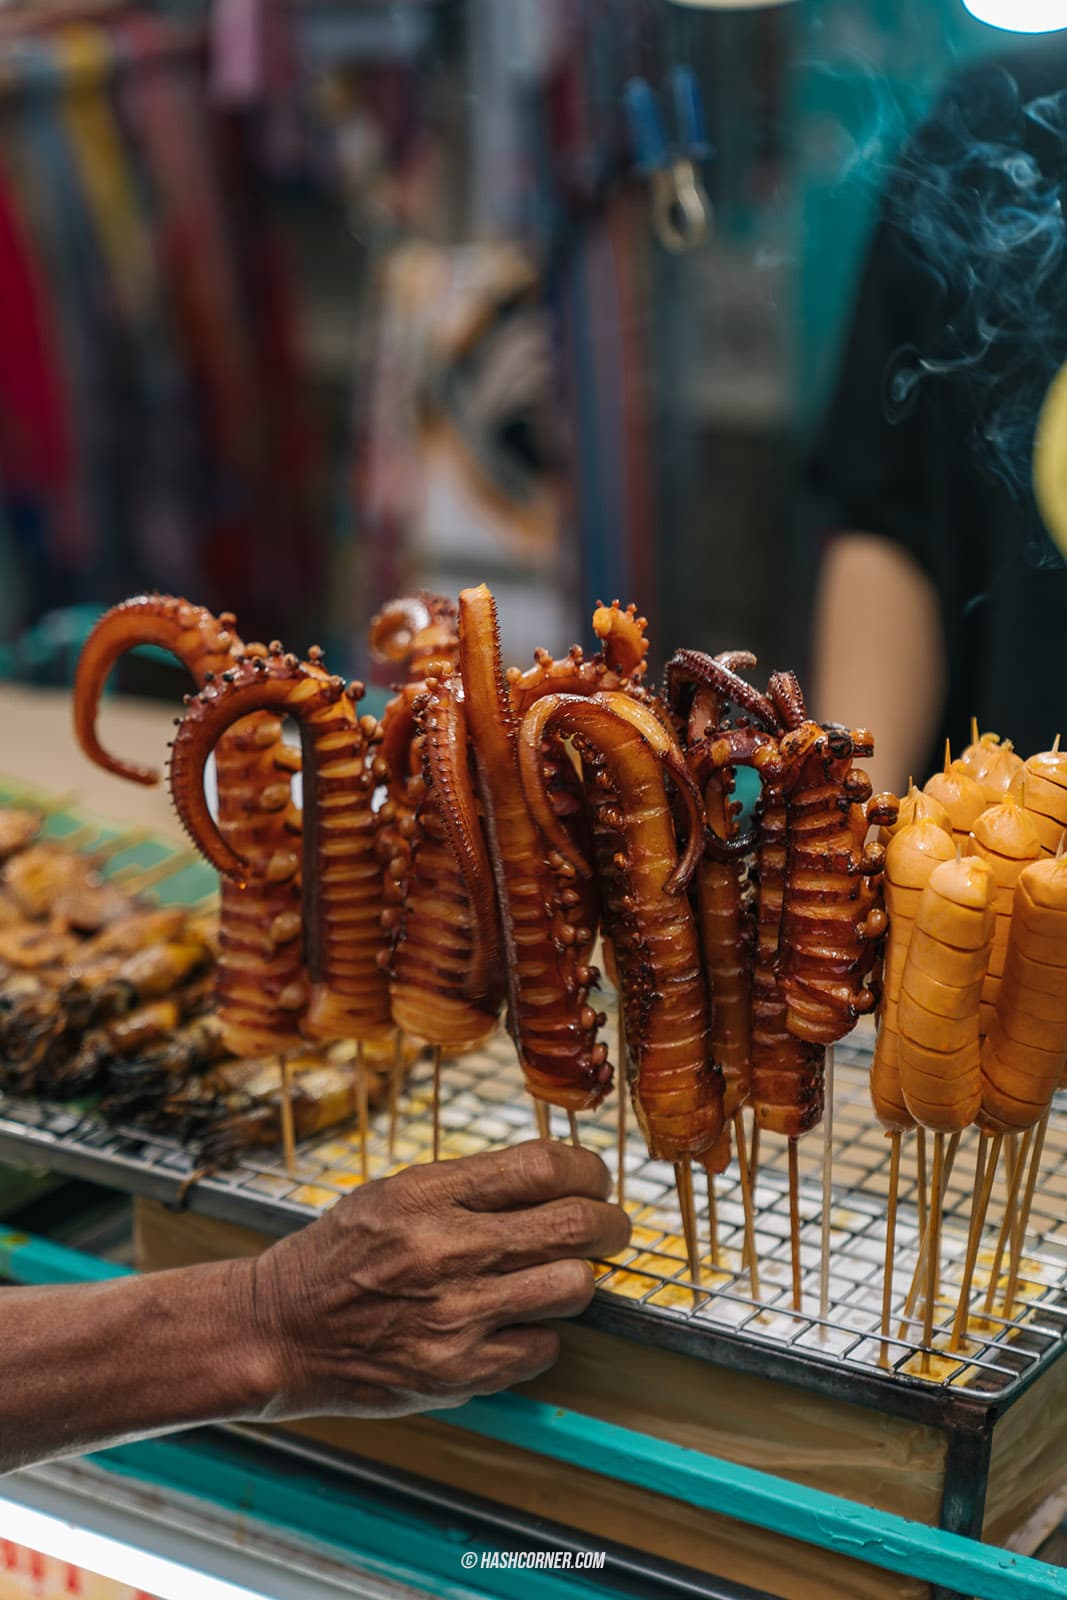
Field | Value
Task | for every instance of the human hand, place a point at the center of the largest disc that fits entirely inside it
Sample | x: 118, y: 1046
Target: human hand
x: 424, y: 1289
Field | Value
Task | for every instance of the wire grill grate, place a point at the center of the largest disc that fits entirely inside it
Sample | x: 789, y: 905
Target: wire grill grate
x: 483, y: 1105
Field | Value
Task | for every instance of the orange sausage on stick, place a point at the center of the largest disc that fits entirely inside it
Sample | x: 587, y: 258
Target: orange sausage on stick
x: 994, y: 766
x: 1044, y: 796
x: 1025, y: 1048
x: 912, y: 855
x: 961, y: 797
x: 1005, y: 838
x: 940, y: 1068
x: 917, y: 806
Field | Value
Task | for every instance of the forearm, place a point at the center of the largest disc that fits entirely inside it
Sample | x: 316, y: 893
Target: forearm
x: 92, y: 1365
x: 879, y: 659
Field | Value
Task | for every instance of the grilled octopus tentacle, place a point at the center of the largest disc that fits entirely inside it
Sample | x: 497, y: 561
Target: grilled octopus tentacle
x: 451, y: 787
x: 342, y: 877
x: 695, y: 667
x: 677, y: 1091
x: 833, y: 919
x: 202, y: 642
x: 553, y: 1026
x: 260, y: 981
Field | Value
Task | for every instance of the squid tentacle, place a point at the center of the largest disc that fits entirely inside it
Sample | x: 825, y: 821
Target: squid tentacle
x: 452, y: 788
x: 342, y: 879
x: 553, y: 1025
x: 202, y: 642
x: 677, y: 1091
x: 687, y: 667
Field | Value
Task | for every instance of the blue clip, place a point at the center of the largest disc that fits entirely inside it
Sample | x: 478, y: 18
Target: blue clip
x: 681, y: 210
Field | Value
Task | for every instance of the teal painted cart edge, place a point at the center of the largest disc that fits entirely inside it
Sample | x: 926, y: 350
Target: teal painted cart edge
x: 758, y: 1499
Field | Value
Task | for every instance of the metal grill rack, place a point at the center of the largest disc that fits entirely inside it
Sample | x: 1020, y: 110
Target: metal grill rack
x: 647, y: 1293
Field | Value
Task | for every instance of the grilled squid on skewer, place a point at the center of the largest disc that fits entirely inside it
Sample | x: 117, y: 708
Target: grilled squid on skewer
x: 677, y: 1091
x: 261, y: 984
x: 551, y: 1021
x: 716, y: 683
x: 445, y: 978
x: 833, y: 917
x: 342, y: 874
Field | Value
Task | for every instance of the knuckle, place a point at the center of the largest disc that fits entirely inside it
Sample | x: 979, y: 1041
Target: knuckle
x: 576, y: 1282
x: 544, y: 1163
x: 575, y: 1225
x: 539, y: 1351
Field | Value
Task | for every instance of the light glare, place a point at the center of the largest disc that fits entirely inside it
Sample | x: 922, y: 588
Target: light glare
x: 1020, y: 16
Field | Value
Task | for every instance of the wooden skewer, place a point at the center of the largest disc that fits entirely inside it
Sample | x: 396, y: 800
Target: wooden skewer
x: 985, y: 1171
x: 920, y: 1179
x: 623, y: 1087
x: 753, y: 1157
x: 683, y: 1178
x: 890, y: 1245
x: 288, y: 1123
x: 572, y: 1123
x: 1011, y: 1200
x: 933, y: 1264
x: 363, y: 1099
x: 746, y: 1200
x: 827, y: 1190
x: 544, y: 1125
x: 394, y: 1092
x: 713, y: 1221
x: 924, y: 1242
x: 1019, y: 1236
x: 437, y: 1053
x: 794, y: 1223
x: 134, y: 882
x: 127, y: 839
x: 79, y: 839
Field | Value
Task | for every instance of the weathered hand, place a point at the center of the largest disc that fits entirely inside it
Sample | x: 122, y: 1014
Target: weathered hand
x: 424, y: 1289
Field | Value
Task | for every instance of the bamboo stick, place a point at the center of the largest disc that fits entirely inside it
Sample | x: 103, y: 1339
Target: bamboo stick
x: 288, y: 1122
x: 437, y: 1053
x: 1011, y: 1200
x: 713, y: 1221
x: 363, y: 1099
x: 985, y: 1171
x: 572, y: 1123
x: 924, y: 1243
x: 394, y: 1092
x: 623, y: 1093
x: 827, y: 1190
x: 544, y: 1124
x: 1019, y: 1235
x: 683, y: 1178
x: 794, y: 1224
x: 890, y: 1245
x: 746, y: 1200
x: 920, y: 1178
x: 933, y: 1265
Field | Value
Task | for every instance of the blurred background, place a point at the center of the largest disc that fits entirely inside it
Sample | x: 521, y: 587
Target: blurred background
x: 306, y: 302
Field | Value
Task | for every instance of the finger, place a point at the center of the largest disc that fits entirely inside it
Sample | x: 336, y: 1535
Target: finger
x: 557, y: 1231
x: 516, y: 1355
x: 526, y: 1175
x: 539, y: 1294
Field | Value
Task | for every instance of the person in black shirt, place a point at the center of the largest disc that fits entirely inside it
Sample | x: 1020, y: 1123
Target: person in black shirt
x: 941, y: 594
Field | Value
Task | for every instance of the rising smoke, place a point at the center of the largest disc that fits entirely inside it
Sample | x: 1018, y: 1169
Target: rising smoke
x: 978, y: 201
